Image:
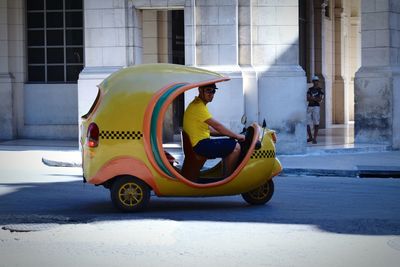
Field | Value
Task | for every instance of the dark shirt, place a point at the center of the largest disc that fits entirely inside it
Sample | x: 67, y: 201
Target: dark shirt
x: 314, y: 92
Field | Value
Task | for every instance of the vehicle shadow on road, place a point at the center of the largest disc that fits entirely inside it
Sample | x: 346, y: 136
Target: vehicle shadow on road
x: 332, y: 206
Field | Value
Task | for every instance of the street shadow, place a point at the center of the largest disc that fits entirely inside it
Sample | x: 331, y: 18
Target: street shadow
x: 330, y: 206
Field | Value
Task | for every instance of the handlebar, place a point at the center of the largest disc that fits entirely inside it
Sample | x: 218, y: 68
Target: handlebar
x: 245, y: 145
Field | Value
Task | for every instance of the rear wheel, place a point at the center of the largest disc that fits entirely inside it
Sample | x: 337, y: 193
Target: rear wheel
x: 260, y: 195
x: 130, y: 194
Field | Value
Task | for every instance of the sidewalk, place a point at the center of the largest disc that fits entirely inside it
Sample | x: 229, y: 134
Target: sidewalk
x: 337, y: 155
x: 350, y: 163
x: 339, y: 160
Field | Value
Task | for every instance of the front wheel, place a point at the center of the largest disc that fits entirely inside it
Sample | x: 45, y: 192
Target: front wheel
x: 130, y: 194
x: 260, y: 195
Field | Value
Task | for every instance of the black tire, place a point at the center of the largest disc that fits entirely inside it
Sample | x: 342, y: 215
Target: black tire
x: 260, y: 195
x: 130, y: 194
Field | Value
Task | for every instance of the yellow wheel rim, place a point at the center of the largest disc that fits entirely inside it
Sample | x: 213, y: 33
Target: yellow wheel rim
x: 130, y: 194
x: 261, y: 192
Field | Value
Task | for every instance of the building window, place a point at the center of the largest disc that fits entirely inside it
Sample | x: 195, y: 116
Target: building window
x: 54, y: 40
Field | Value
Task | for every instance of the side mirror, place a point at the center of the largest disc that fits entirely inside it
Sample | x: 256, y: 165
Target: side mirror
x: 244, y: 119
x: 264, y: 125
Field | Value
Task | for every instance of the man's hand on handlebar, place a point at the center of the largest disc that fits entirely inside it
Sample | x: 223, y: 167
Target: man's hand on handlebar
x: 240, y: 137
x: 216, y: 128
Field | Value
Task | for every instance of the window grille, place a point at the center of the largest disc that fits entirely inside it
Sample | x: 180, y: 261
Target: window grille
x: 54, y: 40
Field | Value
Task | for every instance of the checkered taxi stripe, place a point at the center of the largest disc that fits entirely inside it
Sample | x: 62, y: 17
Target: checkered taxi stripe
x: 260, y: 154
x: 133, y: 135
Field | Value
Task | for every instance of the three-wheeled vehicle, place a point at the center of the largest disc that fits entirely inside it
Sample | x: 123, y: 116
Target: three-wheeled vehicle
x: 122, y: 145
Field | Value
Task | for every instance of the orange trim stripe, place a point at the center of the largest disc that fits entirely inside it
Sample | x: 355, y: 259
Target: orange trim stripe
x: 149, y: 113
x: 147, y: 125
x: 124, y: 165
x: 159, y: 137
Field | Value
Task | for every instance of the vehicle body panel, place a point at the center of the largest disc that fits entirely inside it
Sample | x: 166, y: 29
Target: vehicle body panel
x: 129, y: 114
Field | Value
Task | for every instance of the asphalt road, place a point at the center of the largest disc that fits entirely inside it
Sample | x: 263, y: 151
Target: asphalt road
x: 310, y: 221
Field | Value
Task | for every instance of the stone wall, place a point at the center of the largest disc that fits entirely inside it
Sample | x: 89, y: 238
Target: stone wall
x: 377, y: 81
x: 6, y: 95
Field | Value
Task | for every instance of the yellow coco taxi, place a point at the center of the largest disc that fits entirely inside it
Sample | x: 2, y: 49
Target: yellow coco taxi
x: 122, y: 146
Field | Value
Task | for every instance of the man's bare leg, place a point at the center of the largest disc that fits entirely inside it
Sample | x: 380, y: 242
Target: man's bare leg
x: 310, y: 138
x: 315, y: 133
x: 231, y: 160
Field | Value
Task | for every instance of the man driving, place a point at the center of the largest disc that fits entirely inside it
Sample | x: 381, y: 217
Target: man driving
x: 199, y: 125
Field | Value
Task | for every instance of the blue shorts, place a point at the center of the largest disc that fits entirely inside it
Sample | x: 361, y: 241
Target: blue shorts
x: 215, y: 148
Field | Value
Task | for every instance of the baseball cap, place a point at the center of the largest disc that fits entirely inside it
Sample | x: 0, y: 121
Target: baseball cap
x: 315, y: 78
x: 212, y: 85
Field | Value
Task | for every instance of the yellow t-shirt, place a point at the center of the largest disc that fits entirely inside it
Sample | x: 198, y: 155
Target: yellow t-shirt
x: 194, y: 121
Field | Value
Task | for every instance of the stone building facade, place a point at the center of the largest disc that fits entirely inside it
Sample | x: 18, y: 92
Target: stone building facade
x: 269, y: 48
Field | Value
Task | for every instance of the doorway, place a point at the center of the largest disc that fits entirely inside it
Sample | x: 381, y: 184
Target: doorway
x: 178, y: 57
x: 164, y: 42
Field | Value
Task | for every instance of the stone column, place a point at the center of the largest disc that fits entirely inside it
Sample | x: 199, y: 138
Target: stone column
x: 318, y: 20
x: 281, y: 81
x: 323, y: 41
x: 355, y: 60
x: 338, y: 92
x: 7, y: 129
x: 311, y: 42
x: 113, y: 39
x: 250, y: 83
x: 377, y: 82
x: 211, y: 42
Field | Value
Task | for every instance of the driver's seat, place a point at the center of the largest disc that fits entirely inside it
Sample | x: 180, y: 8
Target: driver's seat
x: 193, y: 162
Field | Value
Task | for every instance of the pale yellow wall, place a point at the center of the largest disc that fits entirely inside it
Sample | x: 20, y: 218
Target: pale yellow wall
x: 150, y: 35
x: 156, y: 37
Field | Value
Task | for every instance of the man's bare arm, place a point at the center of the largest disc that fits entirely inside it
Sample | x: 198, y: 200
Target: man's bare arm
x: 214, y: 132
x: 222, y: 130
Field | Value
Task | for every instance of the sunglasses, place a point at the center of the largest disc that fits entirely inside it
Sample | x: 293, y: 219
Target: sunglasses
x: 210, y: 91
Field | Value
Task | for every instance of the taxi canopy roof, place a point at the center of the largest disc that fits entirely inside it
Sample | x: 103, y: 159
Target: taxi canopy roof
x: 138, y: 96
x: 152, y: 77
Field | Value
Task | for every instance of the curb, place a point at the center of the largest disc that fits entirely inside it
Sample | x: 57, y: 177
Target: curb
x: 360, y: 173
x: 349, y: 150
x: 318, y: 172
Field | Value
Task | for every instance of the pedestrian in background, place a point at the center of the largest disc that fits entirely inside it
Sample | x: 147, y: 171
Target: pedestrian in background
x: 315, y: 95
